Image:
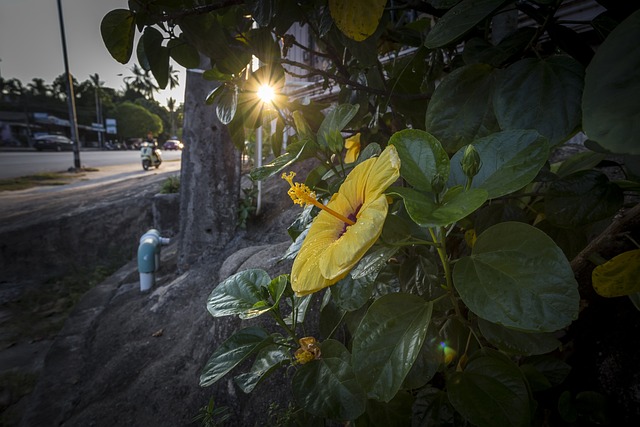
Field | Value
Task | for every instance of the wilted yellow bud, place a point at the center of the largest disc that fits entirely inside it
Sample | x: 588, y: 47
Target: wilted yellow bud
x: 309, y: 350
x: 303, y: 356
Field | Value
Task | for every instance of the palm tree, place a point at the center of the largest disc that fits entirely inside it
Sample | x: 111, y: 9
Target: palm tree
x: 97, y: 85
x: 13, y: 89
x: 59, y: 86
x: 174, y: 82
x: 38, y: 88
x: 141, y: 81
x: 171, y: 104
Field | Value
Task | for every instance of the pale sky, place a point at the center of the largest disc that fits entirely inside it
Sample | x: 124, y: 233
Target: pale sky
x: 31, y: 44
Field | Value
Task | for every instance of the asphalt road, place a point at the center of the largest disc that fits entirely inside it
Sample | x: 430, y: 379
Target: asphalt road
x: 20, y: 163
x: 85, y: 190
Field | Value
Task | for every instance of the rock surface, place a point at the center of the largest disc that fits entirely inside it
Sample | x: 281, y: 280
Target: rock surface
x: 130, y: 358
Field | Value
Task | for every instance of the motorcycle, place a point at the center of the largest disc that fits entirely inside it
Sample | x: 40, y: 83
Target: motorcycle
x: 150, y: 156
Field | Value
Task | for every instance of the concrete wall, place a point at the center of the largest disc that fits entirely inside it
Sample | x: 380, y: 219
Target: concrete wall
x: 104, y: 235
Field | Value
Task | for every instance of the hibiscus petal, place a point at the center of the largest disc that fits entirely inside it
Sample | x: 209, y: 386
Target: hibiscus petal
x: 384, y: 173
x: 305, y: 273
x: 331, y: 249
x: 342, y: 255
x: 354, y: 186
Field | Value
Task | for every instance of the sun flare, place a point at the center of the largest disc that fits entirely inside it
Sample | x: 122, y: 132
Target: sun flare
x: 266, y: 93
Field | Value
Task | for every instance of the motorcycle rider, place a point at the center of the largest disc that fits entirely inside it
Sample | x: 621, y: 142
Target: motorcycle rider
x: 154, y: 144
x: 150, y: 153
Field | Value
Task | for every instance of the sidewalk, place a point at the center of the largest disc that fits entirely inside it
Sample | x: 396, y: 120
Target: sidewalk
x: 110, y: 174
x: 85, y: 190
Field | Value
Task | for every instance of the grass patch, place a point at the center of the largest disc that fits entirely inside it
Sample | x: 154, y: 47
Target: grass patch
x: 36, y: 180
x: 170, y: 185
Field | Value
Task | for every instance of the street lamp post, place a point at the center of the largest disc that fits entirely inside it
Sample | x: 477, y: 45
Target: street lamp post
x: 266, y: 95
x: 71, y: 101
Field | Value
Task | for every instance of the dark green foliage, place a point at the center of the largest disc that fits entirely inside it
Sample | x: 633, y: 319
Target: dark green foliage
x: 457, y: 314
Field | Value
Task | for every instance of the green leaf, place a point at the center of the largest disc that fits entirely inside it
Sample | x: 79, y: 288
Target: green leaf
x: 357, y: 19
x: 618, y: 276
x: 427, y: 363
x: 264, y: 46
x: 421, y: 157
x: 232, y: 352
x: 582, y: 198
x: 610, y: 105
x: 461, y: 108
x: 261, y: 11
x: 237, y: 132
x: 541, y: 94
x: 157, y: 55
x: 216, y: 75
x: 478, y: 50
x: 518, y: 277
x: 516, y: 342
x: 295, y: 151
x: 350, y: 294
x: 118, y: 30
x: 214, y: 94
x: 455, y: 205
x: 537, y: 381
x: 460, y: 19
x: 373, y: 261
x: 396, y: 413
x: 277, y: 287
x: 227, y: 104
x: 329, y: 131
x: 388, y: 341
x: 183, y: 53
x: 228, y: 54
x: 553, y: 369
x: 239, y: 294
x: 142, y: 57
x: 327, y: 387
x: 277, y: 138
x: 331, y: 316
x: 418, y: 274
x: 491, y: 391
x: 267, y: 361
x: 432, y: 408
x: 300, y: 309
x: 302, y: 126
x: 510, y: 160
x: 580, y: 161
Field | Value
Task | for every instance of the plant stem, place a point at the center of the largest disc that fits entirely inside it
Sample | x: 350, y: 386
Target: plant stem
x: 446, y: 265
x: 335, y: 328
x: 278, y: 319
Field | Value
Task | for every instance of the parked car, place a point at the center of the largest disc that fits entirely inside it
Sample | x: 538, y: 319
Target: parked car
x: 52, y: 142
x: 172, y: 144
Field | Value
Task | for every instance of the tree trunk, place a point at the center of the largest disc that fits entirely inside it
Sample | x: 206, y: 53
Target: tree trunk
x: 210, y: 177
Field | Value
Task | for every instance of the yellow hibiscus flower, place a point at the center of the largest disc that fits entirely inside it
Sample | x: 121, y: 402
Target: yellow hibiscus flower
x: 352, y: 144
x: 347, y: 226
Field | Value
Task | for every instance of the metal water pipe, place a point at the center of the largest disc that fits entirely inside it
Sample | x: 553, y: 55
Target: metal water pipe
x: 149, y: 257
x: 258, y: 163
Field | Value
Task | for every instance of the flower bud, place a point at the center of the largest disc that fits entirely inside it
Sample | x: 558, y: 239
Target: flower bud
x: 470, y: 162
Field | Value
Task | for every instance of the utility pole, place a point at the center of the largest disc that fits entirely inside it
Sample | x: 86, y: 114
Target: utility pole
x: 71, y: 100
x: 99, y: 113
